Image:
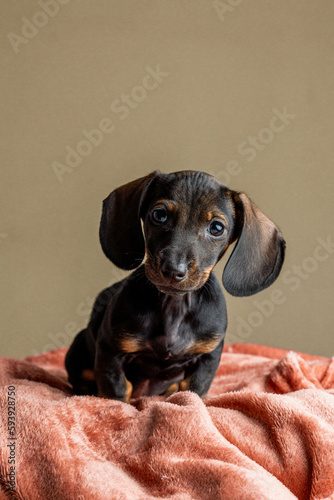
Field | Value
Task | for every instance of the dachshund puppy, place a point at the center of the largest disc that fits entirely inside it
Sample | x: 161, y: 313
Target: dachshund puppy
x: 162, y: 328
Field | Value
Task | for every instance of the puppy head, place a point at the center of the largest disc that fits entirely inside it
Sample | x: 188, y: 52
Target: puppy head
x: 189, y: 219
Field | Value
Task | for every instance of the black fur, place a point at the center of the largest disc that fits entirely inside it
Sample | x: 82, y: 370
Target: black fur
x: 165, y: 324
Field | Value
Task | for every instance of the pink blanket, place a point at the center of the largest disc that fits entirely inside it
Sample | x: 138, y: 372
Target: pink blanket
x: 266, y: 431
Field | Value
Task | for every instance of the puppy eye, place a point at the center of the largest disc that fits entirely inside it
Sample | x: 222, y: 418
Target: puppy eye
x: 159, y: 215
x: 216, y: 228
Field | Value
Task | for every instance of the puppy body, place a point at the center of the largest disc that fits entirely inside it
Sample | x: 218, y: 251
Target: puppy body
x: 163, y: 327
x: 153, y: 340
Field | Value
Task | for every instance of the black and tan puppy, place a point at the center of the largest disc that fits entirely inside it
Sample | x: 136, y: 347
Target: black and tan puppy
x: 163, y: 327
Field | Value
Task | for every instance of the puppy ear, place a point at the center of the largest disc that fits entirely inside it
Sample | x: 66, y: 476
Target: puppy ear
x: 121, y: 235
x: 258, y: 256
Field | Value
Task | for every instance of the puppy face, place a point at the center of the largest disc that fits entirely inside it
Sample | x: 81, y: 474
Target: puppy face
x: 188, y: 223
x: 188, y: 220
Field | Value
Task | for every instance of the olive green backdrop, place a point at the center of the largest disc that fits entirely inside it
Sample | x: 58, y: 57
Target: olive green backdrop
x: 98, y: 92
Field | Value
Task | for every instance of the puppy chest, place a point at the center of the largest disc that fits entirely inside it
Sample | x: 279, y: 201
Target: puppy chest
x: 161, y: 334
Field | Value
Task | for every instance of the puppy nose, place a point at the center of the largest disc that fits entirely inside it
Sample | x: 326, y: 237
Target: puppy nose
x: 176, y: 272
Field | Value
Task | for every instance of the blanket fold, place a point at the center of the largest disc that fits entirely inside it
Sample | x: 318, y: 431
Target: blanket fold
x: 265, y: 431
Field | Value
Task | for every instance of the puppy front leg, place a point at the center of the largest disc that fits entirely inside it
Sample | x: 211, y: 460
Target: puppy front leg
x: 201, y: 379
x: 109, y: 375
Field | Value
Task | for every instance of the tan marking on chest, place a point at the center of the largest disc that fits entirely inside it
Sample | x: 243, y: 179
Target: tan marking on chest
x: 88, y: 375
x: 131, y: 344
x: 205, y: 346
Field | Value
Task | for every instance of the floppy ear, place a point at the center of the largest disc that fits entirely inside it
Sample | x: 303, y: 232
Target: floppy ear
x: 121, y: 235
x: 258, y: 256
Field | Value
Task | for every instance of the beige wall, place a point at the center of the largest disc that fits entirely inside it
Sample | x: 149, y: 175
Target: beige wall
x: 226, y: 70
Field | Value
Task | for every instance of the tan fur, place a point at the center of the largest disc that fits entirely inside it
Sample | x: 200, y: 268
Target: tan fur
x: 204, y: 346
x: 130, y: 344
x: 128, y: 390
x: 88, y: 375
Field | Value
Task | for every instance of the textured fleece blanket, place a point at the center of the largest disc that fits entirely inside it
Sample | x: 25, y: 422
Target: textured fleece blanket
x: 265, y: 431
